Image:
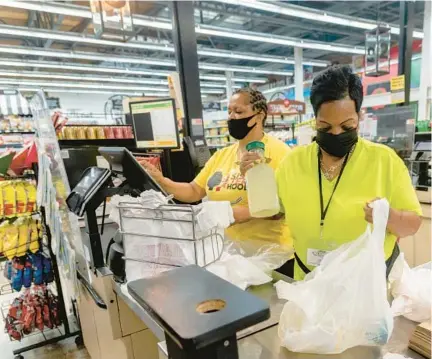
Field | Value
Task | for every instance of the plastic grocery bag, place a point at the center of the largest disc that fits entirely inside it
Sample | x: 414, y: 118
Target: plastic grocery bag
x: 343, y: 302
x: 411, y: 290
x: 249, y: 263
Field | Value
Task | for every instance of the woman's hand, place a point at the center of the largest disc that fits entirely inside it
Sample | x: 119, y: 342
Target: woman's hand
x: 400, y: 223
x: 368, y: 210
x: 152, y: 170
x: 250, y: 159
x: 241, y: 214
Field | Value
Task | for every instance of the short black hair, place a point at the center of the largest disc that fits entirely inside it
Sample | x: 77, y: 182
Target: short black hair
x: 256, y: 98
x: 336, y: 83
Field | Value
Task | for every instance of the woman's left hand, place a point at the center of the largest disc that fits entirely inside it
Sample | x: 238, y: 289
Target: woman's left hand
x: 368, y: 210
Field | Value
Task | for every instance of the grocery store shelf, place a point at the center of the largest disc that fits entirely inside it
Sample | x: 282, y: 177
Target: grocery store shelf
x: 106, y: 142
x: 423, y: 133
x: 17, y: 132
x: 217, y: 136
x: 215, y: 127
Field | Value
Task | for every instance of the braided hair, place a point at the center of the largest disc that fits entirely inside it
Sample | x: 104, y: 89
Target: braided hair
x: 256, y: 99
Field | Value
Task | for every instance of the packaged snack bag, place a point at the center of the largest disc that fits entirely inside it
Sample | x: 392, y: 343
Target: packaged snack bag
x: 31, y: 197
x: 9, y: 199
x: 10, y: 240
x: 21, y: 198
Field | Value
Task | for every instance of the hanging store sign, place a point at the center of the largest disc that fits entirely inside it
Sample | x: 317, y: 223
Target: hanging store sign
x: 286, y: 107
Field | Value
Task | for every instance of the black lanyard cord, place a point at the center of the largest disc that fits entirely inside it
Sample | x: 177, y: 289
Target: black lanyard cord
x: 324, y: 210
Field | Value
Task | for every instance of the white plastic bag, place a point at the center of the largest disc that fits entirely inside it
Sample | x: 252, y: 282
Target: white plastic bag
x: 250, y: 262
x: 239, y: 271
x: 411, y: 290
x: 343, y: 302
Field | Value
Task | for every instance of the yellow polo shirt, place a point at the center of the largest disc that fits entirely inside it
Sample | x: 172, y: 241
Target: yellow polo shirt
x: 222, y: 181
x: 372, y: 171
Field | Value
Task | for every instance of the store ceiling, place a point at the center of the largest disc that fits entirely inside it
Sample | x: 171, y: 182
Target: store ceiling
x: 224, y: 26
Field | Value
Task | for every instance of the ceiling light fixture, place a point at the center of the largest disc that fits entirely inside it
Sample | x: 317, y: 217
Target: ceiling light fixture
x: 112, y: 70
x: 128, y: 59
x: 161, y: 23
x: 280, y: 40
x: 314, y: 15
x: 94, y: 86
x: 77, y: 77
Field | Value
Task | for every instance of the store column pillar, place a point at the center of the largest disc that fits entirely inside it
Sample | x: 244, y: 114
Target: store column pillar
x: 298, y: 73
x: 187, y: 65
x: 405, y: 44
x: 426, y: 60
x: 229, y: 84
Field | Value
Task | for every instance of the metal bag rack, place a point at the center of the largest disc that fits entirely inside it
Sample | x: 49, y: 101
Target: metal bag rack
x: 196, y: 248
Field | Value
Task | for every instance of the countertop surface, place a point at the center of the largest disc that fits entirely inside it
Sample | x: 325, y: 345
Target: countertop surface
x: 261, y: 341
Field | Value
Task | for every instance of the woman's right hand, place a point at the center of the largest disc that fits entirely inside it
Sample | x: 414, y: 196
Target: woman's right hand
x: 250, y: 159
x: 154, y: 172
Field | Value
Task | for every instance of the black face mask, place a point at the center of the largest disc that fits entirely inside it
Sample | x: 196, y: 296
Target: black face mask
x: 337, y: 145
x: 239, y: 128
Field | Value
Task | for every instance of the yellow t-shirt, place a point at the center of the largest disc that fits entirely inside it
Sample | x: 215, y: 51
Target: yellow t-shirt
x: 372, y: 171
x: 222, y: 181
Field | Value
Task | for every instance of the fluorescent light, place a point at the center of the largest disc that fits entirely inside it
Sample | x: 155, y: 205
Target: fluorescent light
x: 79, y: 85
x: 111, y: 70
x: 199, y: 29
x: 238, y: 79
x: 254, y: 70
x: 94, y: 86
x: 262, y: 57
x: 71, y: 37
x: 77, y: 77
x: 314, y: 15
x: 128, y: 59
x: 87, y: 68
x: 278, y: 40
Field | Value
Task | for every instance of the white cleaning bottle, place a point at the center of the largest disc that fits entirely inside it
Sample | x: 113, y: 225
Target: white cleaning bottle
x: 261, y: 186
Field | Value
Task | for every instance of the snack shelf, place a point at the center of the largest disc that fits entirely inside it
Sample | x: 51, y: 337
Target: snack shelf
x: 120, y: 142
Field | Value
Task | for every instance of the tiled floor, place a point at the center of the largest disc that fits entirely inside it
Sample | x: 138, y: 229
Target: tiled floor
x: 64, y: 350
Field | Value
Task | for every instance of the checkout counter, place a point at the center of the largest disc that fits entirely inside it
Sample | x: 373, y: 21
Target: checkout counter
x: 115, y: 325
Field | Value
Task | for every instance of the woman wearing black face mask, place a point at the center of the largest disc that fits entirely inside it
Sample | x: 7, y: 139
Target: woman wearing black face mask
x: 325, y: 187
x: 221, y: 178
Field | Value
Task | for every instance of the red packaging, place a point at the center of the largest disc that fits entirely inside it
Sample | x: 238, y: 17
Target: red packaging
x: 127, y: 131
x: 118, y: 132
x: 109, y: 132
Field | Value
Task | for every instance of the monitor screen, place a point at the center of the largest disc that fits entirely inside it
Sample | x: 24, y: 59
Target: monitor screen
x: 121, y: 160
x: 155, y: 124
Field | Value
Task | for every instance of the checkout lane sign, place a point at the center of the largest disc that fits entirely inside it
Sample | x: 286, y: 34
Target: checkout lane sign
x: 397, y: 88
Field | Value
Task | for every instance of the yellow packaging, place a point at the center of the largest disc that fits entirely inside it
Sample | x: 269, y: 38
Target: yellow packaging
x: 91, y: 133
x: 21, y: 198
x: 10, y: 242
x: 34, y: 236
x: 100, y: 133
x: 1, y: 203
x: 9, y: 199
x: 23, y: 236
x: 31, y: 197
x: 2, y: 233
x: 80, y: 133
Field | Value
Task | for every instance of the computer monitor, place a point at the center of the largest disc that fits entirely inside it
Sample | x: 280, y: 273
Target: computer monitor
x: 122, y: 160
x: 155, y: 124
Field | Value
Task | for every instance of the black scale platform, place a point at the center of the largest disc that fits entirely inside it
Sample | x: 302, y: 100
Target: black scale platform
x: 199, y: 312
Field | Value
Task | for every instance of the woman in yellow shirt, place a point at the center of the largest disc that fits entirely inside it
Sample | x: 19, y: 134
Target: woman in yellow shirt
x: 325, y: 187
x: 221, y: 180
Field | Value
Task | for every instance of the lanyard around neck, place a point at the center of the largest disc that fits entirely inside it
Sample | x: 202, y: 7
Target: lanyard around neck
x: 324, y: 210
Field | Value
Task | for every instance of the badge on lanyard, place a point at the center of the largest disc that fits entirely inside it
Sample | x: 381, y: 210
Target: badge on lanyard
x: 315, y: 256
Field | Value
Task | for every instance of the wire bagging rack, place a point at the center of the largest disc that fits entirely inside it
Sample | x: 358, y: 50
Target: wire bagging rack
x: 168, y: 236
